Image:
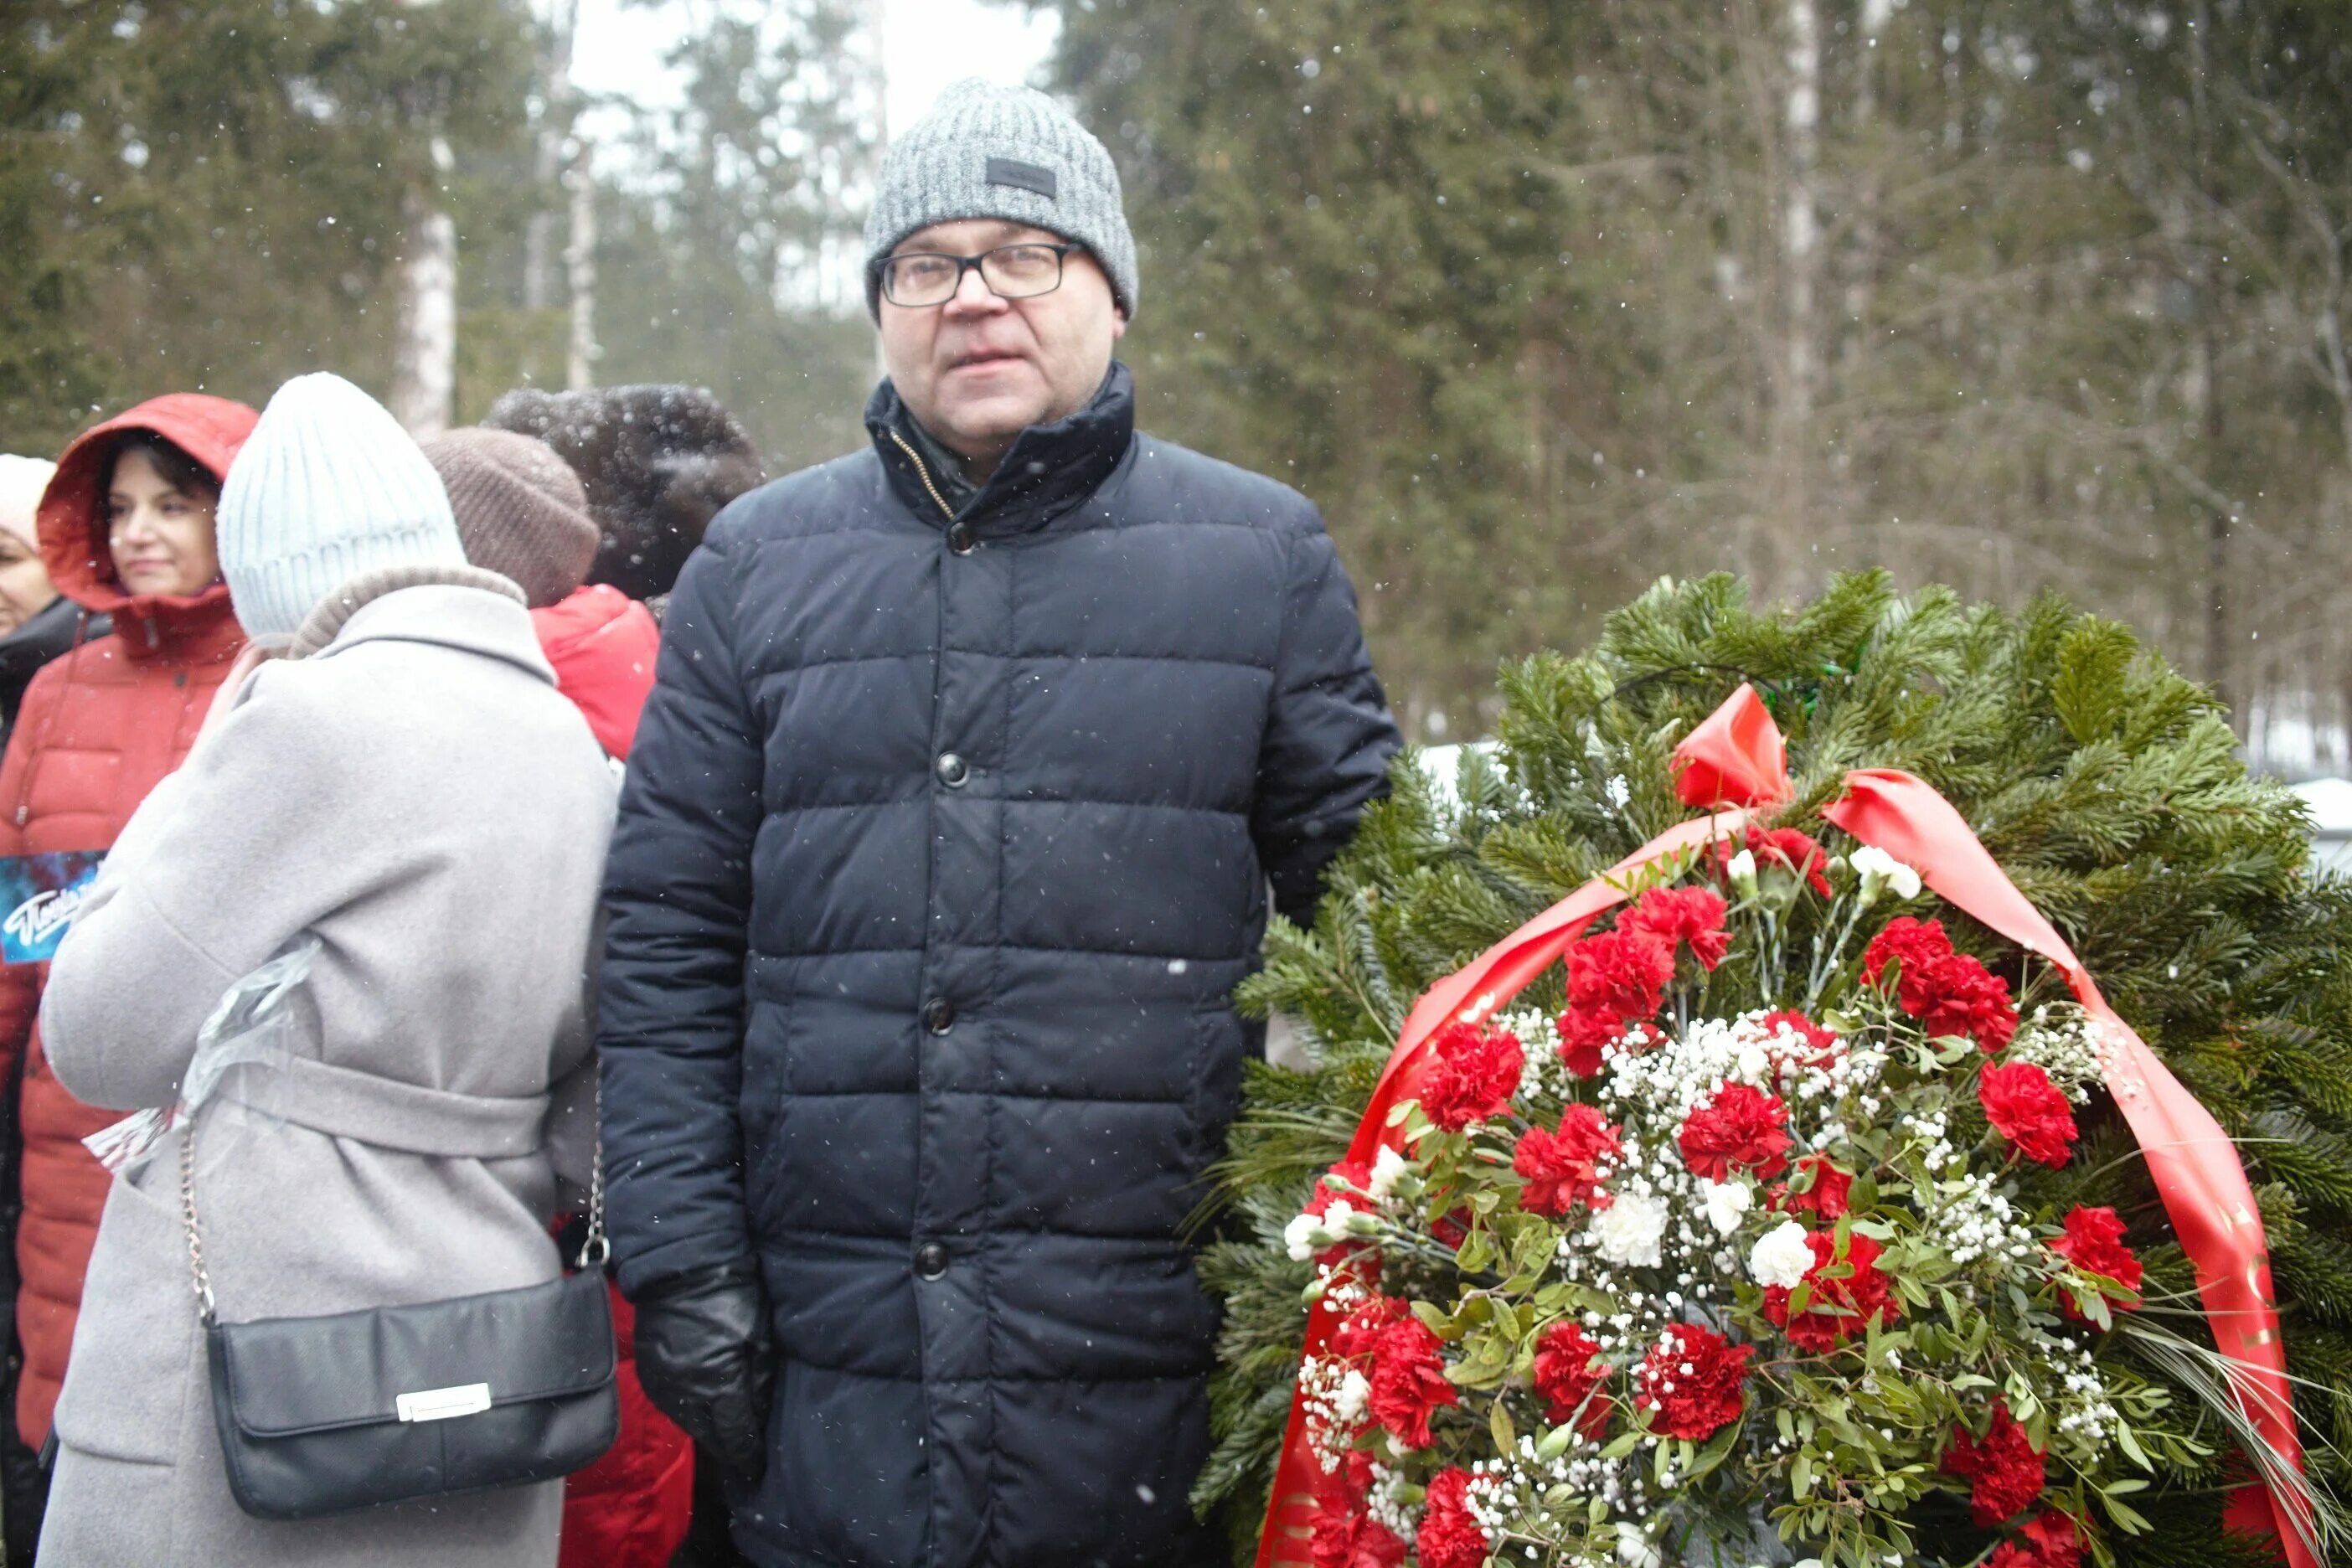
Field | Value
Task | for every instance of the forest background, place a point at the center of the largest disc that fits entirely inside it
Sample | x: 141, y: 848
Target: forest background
x: 1540, y: 301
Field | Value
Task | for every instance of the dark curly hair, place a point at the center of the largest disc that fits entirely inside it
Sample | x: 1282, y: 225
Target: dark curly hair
x: 657, y: 463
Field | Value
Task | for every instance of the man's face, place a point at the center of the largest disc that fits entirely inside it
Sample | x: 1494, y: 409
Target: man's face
x: 979, y: 370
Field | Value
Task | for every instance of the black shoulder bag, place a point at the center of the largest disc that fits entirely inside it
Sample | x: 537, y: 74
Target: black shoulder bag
x: 329, y: 1414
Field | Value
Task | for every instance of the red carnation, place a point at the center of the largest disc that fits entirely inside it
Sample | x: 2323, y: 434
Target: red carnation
x: 1913, y: 944
x: 1582, y: 1034
x: 2004, y: 1474
x: 1840, y: 1307
x: 1563, y: 1169
x: 1340, y: 1538
x: 2094, y: 1243
x: 2028, y: 1109
x: 1955, y: 994
x: 1345, y: 1536
x: 1949, y: 993
x: 1409, y: 1379
x: 1828, y: 1197
x: 1675, y: 916
x: 1449, y: 1537
x: 1693, y: 1382
x: 2048, y: 1541
x: 1476, y: 1075
x: 1796, y: 852
x: 1741, y: 1128
x: 1823, y: 1043
x: 1621, y: 974
x: 1360, y: 1331
x: 1568, y: 1368
x: 1355, y: 1173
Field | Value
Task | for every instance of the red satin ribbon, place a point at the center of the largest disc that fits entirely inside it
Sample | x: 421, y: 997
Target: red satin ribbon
x: 1735, y: 763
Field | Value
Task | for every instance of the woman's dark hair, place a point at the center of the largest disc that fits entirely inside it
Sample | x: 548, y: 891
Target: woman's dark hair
x: 180, y: 472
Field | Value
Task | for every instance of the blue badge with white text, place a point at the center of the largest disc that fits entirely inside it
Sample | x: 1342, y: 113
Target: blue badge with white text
x: 41, y: 893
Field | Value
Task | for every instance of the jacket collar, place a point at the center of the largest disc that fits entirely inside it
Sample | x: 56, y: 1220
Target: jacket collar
x: 460, y: 608
x: 1050, y: 468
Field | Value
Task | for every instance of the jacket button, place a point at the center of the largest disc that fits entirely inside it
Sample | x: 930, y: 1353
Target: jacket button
x: 938, y: 1014
x: 959, y: 538
x: 952, y: 770
x: 931, y: 1261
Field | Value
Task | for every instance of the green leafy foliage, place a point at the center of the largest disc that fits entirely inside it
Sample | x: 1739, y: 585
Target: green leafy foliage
x: 2104, y: 781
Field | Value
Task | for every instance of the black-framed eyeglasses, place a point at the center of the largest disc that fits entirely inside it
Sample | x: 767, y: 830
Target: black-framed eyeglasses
x: 925, y: 278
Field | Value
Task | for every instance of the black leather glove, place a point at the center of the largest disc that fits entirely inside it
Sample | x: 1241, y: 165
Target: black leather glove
x: 704, y: 1357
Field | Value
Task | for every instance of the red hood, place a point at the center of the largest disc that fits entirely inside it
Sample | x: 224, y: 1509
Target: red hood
x: 73, y: 515
x: 602, y: 645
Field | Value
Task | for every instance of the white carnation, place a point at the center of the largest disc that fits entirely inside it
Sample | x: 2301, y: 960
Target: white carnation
x: 1781, y: 1258
x: 1629, y: 1231
x: 1388, y: 1166
x: 1307, y: 1234
x: 1881, y: 871
x: 1727, y: 1204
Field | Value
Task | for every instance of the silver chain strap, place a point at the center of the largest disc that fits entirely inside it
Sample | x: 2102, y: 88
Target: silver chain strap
x: 597, y: 1250
x: 204, y: 1279
x: 594, y: 1252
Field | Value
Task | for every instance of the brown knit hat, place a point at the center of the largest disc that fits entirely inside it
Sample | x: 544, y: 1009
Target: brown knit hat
x: 520, y: 510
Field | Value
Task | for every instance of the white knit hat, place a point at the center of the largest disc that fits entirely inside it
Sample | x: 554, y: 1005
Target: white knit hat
x: 22, y: 481
x: 327, y: 486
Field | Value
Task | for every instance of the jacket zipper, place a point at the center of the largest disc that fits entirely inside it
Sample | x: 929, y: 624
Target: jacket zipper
x: 924, y: 474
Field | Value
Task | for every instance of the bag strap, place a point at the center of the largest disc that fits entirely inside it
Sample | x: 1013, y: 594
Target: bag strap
x: 206, y: 1308
x: 594, y: 1252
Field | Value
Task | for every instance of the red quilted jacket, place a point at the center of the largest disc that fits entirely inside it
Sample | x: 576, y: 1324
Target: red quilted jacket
x: 631, y: 1508
x: 98, y: 730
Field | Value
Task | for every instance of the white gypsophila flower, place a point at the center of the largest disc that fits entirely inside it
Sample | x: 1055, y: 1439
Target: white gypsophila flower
x: 1354, y: 1397
x: 2066, y: 1043
x: 1388, y: 1166
x: 1781, y: 1257
x: 1881, y: 871
x: 1727, y: 1204
x: 1629, y: 1231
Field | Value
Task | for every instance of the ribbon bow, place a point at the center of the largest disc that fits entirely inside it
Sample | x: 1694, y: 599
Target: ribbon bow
x: 1735, y: 766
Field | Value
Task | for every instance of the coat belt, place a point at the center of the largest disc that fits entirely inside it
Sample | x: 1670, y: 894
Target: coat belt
x: 388, y: 1114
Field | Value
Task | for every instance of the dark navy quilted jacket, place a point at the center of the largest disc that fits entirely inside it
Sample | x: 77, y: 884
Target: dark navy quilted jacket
x: 944, y: 844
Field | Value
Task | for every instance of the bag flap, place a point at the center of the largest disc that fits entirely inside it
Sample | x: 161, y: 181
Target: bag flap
x: 286, y: 1376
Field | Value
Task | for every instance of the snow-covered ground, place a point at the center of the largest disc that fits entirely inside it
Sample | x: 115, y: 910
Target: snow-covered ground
x: 2330, y: 800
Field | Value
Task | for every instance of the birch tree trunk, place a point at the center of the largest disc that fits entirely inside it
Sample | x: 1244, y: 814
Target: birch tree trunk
x: 1800, y: 223
x: 547, y: 164
x: 580, y: 266
x: 425, y: 350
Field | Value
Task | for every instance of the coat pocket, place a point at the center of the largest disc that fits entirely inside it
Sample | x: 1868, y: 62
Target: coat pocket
x: 134, y: 1344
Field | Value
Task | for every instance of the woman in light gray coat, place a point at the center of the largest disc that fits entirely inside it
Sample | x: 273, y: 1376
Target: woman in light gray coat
x: 406, y: 783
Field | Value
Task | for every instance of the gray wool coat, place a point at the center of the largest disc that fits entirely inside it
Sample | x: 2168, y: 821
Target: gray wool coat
x: 418, y: 794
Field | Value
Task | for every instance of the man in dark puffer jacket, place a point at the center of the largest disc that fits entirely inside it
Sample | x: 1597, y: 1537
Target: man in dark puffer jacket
x: 945, y: 841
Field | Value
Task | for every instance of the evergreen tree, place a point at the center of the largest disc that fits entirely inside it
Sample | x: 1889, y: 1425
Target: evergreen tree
x: 207, y: 195
x: 1510, y: 291
x: 2104, y: 781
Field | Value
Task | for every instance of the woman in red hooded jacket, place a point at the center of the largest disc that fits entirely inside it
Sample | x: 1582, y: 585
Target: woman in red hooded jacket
x: 126, y: 527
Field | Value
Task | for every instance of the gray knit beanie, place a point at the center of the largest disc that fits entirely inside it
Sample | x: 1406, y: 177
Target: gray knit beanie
x: 1007, y: 153
x: 327, y: 486
x: 521, y: 511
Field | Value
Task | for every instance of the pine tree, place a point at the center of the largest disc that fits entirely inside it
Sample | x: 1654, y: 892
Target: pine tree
x: 2106, y: 785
